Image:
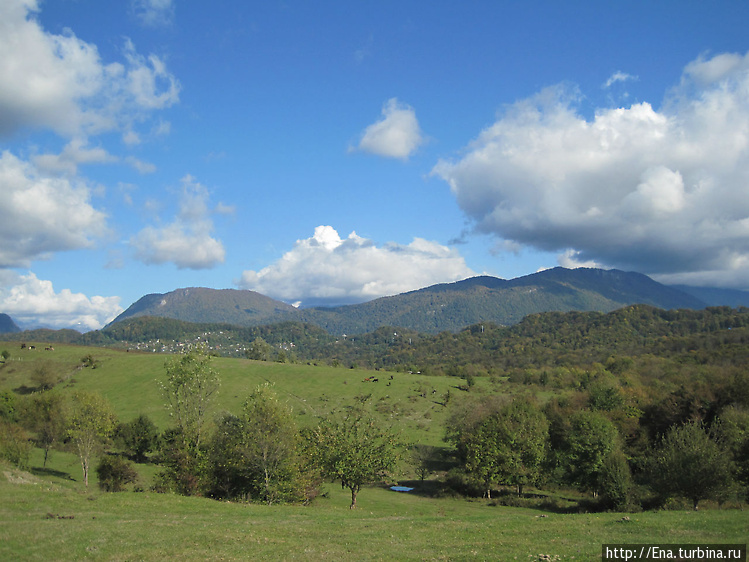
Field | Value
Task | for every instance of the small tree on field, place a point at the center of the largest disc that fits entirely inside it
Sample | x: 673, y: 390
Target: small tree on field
x: 138, y: 437
x: 190, y: 384
x: 188, y: 389
x: 690, y: 464
x: 91, y: 422
x: 45, y: 416
x: 355, y: 448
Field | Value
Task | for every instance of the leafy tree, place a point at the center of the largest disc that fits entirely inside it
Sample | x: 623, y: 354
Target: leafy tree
x: 114, y: 472
x: 355, y: 448
x: 91, y: 422
x: 8, y: 406
x: 259, y: 350
x: 509, y: 447
x: 732, y: 432
x: 615, y: 481
x: 190, y: 384
x: 44, y: 376
x: 272, y: 442
x: 45, y: 416
x: 257, y: 455
x: 589, y: 440
x: 14, y: 444
x: 138, y: 437
x: 5, y: 354
x: 690, y: 464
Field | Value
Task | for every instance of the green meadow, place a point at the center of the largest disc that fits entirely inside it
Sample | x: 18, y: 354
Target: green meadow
x: 46, y: 513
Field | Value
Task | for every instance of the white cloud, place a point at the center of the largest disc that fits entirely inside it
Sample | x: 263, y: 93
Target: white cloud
x: 59, y: 81
x: 75, y: 152
x: 154, y: 13
x: 187, y: 241
x: 396, y: 135
x: 618, y: 76
x: 662, y: 192
x: 33, y: 302
x: 40, y: 214
x: 328, y: 269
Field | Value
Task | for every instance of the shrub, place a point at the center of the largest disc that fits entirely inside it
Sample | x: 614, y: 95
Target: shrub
x: 114, y: 473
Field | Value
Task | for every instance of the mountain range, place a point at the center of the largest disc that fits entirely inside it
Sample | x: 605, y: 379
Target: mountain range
x: 442, y: 307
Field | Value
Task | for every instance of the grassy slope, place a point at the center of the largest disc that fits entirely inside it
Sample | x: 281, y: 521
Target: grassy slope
x: 130, y: 382
x: 134, y: 526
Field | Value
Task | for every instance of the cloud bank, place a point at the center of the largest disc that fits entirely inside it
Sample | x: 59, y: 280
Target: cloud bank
x: 28, y: 300
x: 186, y: 241
x: 396, y: 135
x: 326, y: 269
x: 43, y: 214
x: 663, y: 191
x: 59, y: 82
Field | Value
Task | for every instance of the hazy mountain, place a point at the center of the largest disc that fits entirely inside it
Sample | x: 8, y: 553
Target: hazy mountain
x: 7, y: 326
x: 449, y: 306
x: 452, y: 306
x: 717, y: 297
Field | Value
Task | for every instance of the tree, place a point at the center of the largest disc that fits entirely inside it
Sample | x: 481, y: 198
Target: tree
x: 259, y: 350
x: 257, y: 455
x: 732, y: 432
x: 590, y: 439
x: 138, y: 437
x: 509, y: 447
x: 45, y: 416
x: 690, y: 464
x: 355, y: 448
x: 44, y: 376
x: 91, y: 422
x: 190, y: 384
x: 272, y: 442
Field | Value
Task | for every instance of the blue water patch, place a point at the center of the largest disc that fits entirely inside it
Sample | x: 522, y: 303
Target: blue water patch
x: 401, y: 488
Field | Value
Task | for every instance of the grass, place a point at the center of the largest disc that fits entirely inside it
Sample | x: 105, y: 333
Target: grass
x: 129, y: 382
x: 40, y: 519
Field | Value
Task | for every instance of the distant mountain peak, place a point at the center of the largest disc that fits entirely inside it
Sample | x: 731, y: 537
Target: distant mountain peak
x: 7, y: 325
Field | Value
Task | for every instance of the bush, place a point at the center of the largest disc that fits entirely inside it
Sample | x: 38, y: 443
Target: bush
x: 114, y: 473
x: 14, y: 444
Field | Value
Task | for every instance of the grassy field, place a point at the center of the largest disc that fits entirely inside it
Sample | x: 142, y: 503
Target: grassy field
x: 46, y: 514
x: 41, y: 518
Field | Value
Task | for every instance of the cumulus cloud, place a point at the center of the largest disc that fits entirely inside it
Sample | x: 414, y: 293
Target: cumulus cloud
x: 396, y: 135
x: 658, y: 191
x: 42, y: 214
x: 59, y: 82
x: 33, y: 302
x: 326, y: 269
x: 187, y: 241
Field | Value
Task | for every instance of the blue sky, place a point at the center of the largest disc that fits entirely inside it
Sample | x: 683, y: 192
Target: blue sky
x: 334, y: 152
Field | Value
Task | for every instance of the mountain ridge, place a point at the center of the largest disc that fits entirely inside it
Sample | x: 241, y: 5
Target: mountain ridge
x: 440, y: 307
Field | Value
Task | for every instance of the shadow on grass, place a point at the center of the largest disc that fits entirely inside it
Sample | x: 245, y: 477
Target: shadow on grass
x: 531, y: 500
x: 39, y: 471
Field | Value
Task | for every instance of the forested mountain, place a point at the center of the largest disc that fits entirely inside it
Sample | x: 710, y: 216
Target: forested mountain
x: 444, y: 307
x: 198, y: 304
